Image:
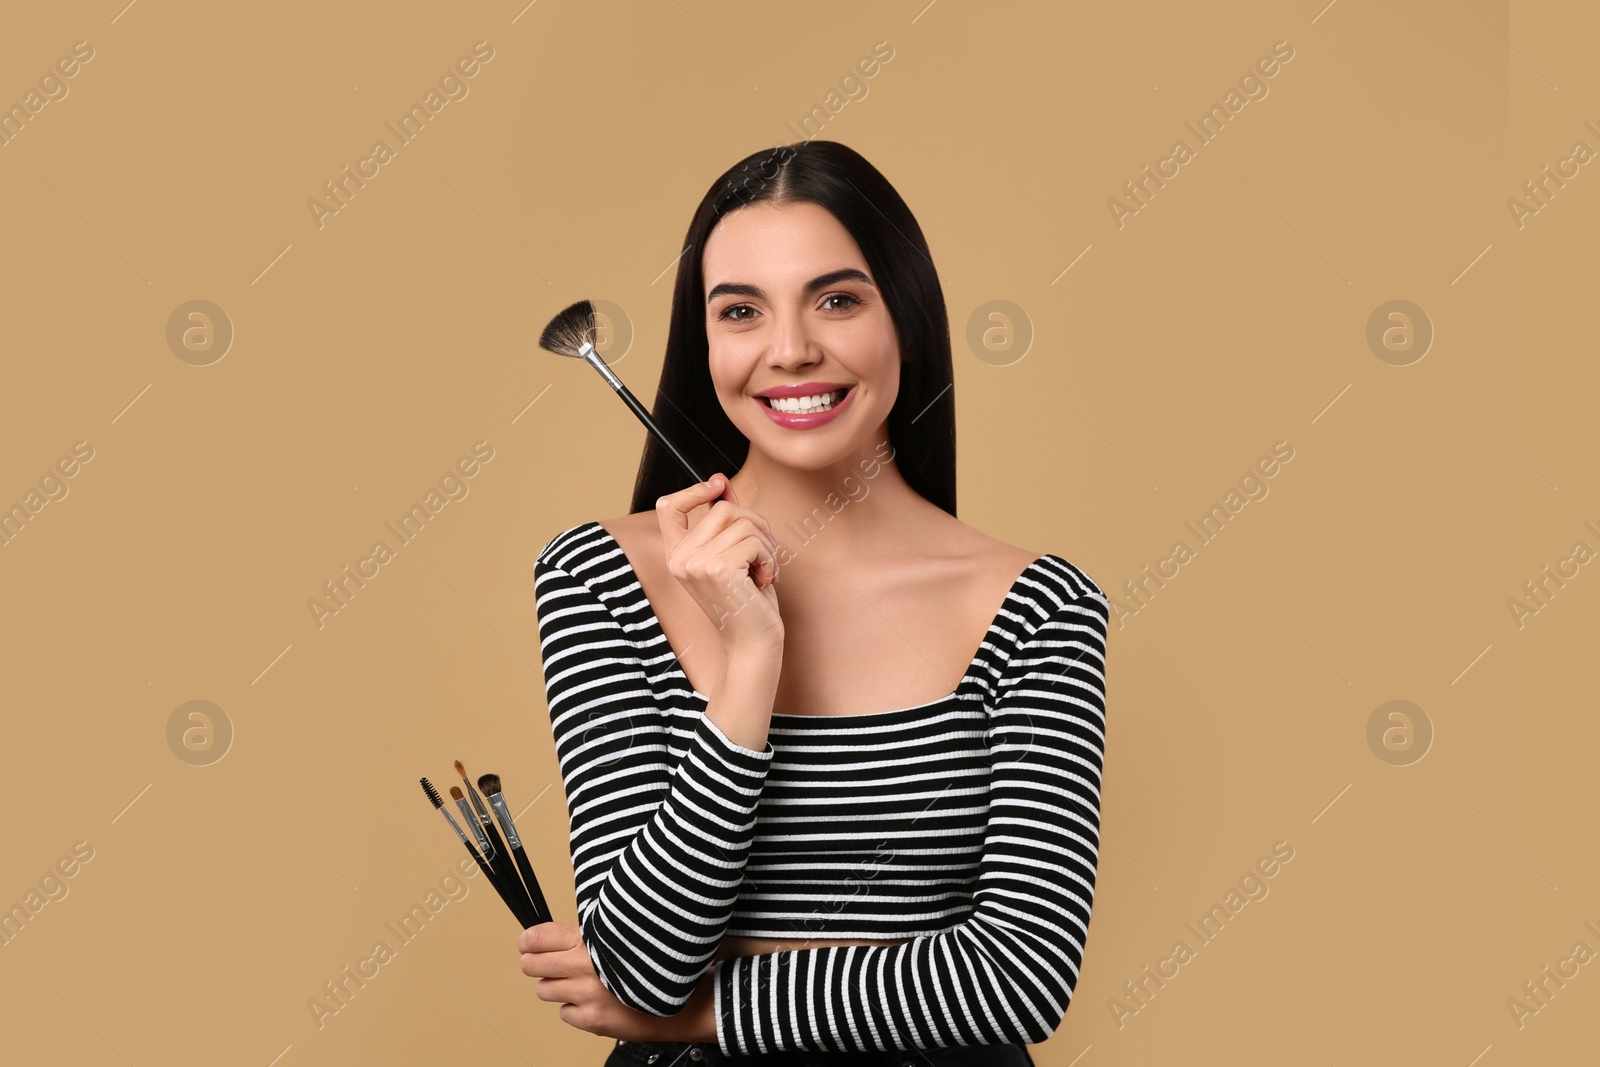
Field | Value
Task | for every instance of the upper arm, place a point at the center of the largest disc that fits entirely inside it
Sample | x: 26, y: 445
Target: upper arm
x: 610, y: 734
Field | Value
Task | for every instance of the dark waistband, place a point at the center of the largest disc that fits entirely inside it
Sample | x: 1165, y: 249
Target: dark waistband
x: 678, y: 1054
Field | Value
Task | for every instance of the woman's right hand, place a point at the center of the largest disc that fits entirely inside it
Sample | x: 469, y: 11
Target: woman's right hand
x: 727, y: 561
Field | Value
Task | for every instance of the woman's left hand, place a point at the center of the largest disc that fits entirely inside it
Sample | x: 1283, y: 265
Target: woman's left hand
x: 555, y: 953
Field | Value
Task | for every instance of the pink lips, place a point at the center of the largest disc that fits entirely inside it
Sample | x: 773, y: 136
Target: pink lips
x: 808, y: 420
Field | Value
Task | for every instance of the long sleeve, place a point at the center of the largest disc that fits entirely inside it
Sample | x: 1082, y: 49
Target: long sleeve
x: 658, y: 844
x: 1007, y: 973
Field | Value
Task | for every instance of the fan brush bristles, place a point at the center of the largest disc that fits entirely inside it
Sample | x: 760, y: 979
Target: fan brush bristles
x: 572, y: 334
x: 433, y: 794
x: 569, y: 331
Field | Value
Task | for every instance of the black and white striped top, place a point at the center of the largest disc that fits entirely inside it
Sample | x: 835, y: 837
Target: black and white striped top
x: 969, y: 825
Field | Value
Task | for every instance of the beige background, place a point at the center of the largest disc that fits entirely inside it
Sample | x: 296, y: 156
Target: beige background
x: 371, y: 353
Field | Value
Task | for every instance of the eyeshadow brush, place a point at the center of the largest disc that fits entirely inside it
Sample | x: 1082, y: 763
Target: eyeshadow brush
x: 490, y: 784
x: 501, y: 861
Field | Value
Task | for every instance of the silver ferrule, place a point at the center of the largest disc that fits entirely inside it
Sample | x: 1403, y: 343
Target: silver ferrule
x: 477, y: 831
x: 477, y: 801
x: 451, y: 819
x: 501, y: 812
x: 593, y: 357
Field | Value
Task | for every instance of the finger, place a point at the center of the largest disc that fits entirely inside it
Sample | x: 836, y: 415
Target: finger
x: 717, y: 518
x: 763, y: 531
x: 672, y: 510
x: 766, y: 528
x: 731, y: 512
x: 532, y: 939
x: 549, y: 937
x: 745, y: 541
x: 557, y: 935
x: 563, y: 963
x: 555, y: 990
x: 568, y: 963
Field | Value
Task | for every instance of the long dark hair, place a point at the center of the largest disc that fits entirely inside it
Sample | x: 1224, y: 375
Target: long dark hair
x: 922, y: 423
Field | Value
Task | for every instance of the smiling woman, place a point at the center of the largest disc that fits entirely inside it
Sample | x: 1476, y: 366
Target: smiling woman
x: 823, y: 199
x: 864, y: 818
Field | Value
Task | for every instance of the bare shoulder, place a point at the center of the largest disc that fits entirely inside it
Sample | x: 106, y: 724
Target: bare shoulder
x: 968, y: 547
x: 999, y: 559
x: 639, y: 534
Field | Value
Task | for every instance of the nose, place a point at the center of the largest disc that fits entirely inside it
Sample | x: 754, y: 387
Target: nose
x: 793, y: 348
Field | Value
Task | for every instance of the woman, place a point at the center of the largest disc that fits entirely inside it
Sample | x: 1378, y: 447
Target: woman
x: 857, y: 821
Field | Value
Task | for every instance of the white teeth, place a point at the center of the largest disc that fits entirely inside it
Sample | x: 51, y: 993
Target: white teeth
x: 799, y: 405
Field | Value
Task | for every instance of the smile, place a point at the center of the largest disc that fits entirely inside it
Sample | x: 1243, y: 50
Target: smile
x: 807, y: 412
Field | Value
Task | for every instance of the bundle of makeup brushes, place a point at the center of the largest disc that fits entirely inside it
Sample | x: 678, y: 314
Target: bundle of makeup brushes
x: 499, y: 864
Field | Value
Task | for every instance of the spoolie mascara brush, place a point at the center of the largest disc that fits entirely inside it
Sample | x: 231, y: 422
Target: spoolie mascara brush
x: 501, y: 861
x: 571, y: 334
x: 488, y: 873
x: 490, y: 784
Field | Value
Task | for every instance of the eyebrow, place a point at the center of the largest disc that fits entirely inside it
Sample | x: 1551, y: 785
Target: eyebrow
x: 821, y: 281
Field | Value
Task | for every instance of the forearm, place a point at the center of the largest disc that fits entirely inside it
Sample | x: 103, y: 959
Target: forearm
x: 740, y: 705
x: 920, y: 994
x: 741, y: 701
x: 661, y: 906
x: 699, y: 1014
x: 657, y: 918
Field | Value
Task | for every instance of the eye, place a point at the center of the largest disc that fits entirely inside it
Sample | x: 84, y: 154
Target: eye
x: 727, y: 313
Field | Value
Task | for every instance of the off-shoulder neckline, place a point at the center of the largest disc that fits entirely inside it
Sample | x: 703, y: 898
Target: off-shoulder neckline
x: 1013, y: 594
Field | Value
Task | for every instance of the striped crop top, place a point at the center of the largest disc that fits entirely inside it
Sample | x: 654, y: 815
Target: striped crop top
x: 968, y: 826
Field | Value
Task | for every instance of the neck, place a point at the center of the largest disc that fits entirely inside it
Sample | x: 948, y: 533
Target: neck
x: 835, y: 516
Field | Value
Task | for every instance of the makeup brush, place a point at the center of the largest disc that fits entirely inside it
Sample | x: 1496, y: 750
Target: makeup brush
x: 477, y: 831
x: 571, y: 334
x: 490, y: 784
x: 502, y: 861
x: 488, y: 874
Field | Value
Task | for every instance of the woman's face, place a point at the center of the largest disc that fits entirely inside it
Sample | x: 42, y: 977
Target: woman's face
x: 771, y: 322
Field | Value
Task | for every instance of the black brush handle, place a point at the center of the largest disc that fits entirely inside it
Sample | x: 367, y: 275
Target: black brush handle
x: 650, y: 424
x: 510, y: 884
x: 493, y: 880
x: 532, y: 883
x: 592, y: 356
